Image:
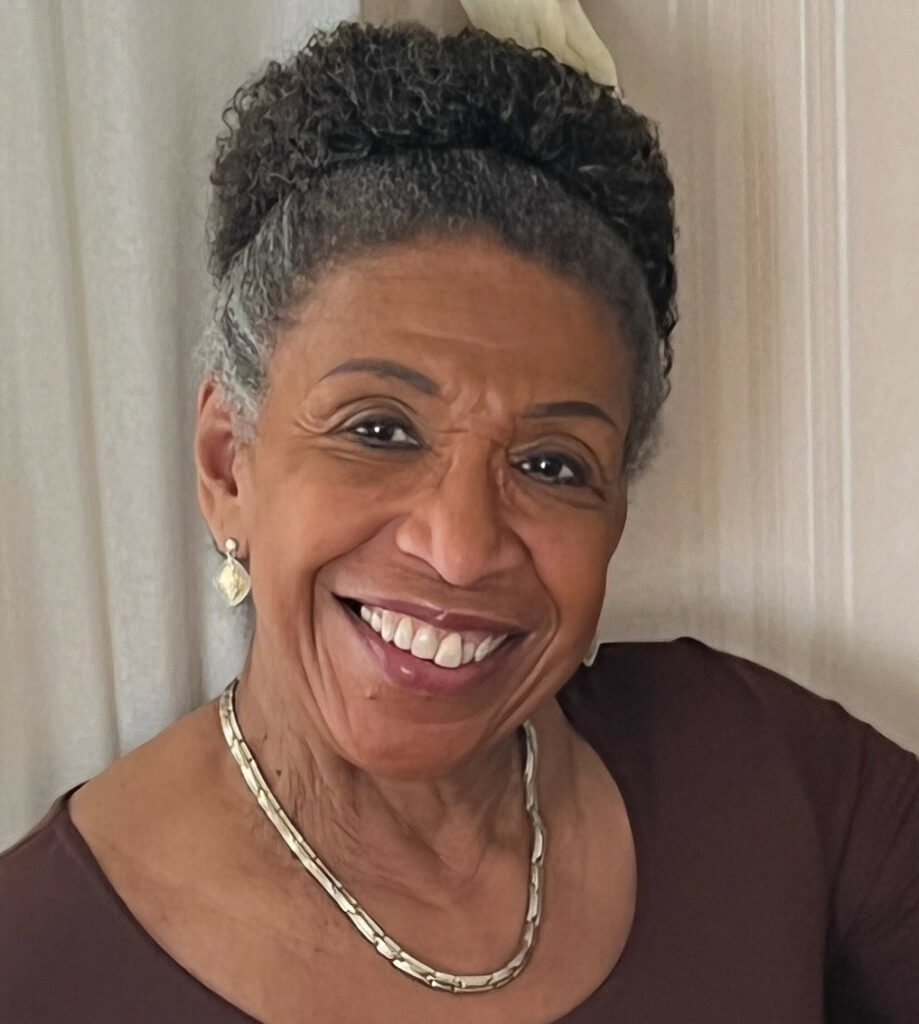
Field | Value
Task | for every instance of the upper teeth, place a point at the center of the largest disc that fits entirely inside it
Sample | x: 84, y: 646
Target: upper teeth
x: 444, y: 648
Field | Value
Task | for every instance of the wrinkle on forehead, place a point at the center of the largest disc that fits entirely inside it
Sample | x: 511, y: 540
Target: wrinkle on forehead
x: 462, y: 268
x: 495, y: 330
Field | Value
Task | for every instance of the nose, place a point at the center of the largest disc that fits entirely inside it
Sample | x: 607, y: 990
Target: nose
x: 458, y: 525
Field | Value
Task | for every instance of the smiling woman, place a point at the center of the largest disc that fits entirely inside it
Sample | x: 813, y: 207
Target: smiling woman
x: 445, y: 284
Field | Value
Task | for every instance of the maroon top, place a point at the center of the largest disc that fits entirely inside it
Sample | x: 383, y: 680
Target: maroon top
x: 777, y: 843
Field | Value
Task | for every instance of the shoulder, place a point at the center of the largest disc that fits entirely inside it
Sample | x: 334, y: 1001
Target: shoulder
x: 684, y: 688
x: 685, y: 672
x: 39, y: 872
x: 748, y: 748
x: 72, y: 946
x: 67, y: 938
x: 51, y: 912
x: 737, y: 773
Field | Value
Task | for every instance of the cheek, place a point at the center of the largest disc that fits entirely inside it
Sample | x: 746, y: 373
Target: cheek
x: 571, y: 560
x: 302, y: 517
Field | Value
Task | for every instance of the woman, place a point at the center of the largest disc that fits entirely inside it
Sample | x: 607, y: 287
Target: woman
x: 446, y: 291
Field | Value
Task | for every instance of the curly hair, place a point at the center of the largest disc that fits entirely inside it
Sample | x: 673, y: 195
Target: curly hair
x: 374, y: 135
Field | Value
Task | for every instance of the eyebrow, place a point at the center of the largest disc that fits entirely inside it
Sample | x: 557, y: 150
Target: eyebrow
x: 390, y: 368
x: 387, y: 368
x: 571, y: 408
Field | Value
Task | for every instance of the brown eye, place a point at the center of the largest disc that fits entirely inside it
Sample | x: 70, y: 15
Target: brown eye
x: 383, y: 432
x: 554, y: 468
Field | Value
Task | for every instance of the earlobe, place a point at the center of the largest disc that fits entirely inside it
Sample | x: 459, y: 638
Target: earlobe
x: 217, y: 461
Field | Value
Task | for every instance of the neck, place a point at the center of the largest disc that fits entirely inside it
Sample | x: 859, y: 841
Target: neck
x: 420, y: 836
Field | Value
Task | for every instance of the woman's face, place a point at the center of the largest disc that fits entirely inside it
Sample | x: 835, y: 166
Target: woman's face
x: 440, y: 453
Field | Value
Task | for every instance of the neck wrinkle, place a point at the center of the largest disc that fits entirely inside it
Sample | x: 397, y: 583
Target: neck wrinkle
x: 414, y: 837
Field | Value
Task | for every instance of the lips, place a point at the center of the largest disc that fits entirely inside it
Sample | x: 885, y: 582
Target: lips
x: 430, y: 653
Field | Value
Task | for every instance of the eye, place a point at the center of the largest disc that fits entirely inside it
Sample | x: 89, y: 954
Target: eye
x: 554, y: 468
x: 383, y: 432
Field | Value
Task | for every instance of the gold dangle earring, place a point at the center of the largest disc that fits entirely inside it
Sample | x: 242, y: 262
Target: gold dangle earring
x: 232, y: 581
x: 591, y: 655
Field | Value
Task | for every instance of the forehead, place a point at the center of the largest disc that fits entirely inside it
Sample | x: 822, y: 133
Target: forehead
x: 465, y: 306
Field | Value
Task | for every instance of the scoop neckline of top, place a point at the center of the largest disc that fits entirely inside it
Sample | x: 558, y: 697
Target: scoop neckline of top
x: 621, y: 779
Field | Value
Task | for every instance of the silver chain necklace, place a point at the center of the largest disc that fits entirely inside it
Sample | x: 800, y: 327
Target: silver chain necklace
x: 385, y: 945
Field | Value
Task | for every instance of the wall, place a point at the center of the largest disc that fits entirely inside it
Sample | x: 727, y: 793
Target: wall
x: 780, y: 520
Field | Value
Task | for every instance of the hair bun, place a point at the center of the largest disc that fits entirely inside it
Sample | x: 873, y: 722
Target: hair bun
x: 360, y: 91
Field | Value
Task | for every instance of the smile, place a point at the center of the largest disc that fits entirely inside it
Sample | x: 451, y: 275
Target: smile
x: 446, y: 648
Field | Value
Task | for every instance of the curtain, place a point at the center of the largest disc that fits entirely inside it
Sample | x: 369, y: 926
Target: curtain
x: 108, y: 118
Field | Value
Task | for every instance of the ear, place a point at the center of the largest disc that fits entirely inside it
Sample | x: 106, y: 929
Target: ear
x: 220, y: 460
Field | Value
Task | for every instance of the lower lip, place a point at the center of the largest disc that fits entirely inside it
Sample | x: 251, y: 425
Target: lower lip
x: 404, y: 669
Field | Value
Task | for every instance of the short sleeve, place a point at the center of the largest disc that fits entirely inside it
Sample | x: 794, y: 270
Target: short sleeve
x: 873, y: 968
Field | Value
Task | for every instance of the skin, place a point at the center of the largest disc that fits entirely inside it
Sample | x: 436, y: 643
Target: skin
x: 445, y: 484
